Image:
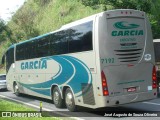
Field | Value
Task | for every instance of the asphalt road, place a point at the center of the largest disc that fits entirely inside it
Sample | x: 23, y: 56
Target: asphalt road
x: 148, y: 106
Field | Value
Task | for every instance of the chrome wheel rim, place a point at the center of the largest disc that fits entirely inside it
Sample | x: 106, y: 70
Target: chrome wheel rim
x: 56, y: 97
x: 69, y: 100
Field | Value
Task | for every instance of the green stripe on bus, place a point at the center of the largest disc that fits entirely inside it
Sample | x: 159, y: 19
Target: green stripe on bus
x: 131, y: 82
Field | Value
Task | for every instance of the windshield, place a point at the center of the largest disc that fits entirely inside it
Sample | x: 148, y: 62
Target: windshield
x: 2, y: 77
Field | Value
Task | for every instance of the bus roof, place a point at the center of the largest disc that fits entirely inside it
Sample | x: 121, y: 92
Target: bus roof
x: 87, y: 19
x: 77, y: 22
x: 90, y: 18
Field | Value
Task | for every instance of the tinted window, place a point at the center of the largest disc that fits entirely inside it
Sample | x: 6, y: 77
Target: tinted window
x: 32, y: 45
x: 2, y: 77
x: 20, y: 52
x: 75, y: 39
x: 26, y: 50
x: 59, y: 42
x: 9, y: 58
x: 43, y: 46
x: 81, y: 38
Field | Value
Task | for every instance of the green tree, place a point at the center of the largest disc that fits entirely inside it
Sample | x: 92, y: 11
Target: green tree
x: 5, y: 32
x: 2, y: 30
x: 151, y: 7
x: 25, y: 20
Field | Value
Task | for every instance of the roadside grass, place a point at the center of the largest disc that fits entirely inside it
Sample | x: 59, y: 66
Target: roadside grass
x: 11, y: 106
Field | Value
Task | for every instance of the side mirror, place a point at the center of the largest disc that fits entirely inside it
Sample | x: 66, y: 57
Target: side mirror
x: 3, y: 59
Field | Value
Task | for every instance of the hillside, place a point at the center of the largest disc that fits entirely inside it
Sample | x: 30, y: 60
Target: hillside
x: 38, y: 17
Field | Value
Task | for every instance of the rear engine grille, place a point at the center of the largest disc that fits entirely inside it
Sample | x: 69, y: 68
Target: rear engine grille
x: 129, y: 55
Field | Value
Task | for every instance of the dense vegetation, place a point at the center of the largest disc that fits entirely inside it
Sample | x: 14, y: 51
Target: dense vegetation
x: 151, y: 7
x: 37, y: 17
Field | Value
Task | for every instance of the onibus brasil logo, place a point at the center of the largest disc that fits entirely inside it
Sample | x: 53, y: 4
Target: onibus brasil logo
x: 126, y: 29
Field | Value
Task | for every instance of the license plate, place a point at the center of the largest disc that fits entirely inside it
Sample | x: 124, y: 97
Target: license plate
x: 132, y: 89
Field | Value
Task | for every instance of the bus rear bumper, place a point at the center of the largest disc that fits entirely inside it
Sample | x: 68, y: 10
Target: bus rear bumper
x: 130, y: 98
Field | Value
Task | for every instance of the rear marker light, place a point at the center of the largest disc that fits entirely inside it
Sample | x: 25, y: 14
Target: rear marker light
x: 105, y: 93
x: 104, y: 84
x: 154, y: 78
x: 126, y: 12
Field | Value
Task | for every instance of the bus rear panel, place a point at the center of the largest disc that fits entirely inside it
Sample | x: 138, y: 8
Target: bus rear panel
x: 126, y: 57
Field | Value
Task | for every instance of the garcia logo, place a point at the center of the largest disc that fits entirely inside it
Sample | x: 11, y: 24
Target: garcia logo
x: 34, y: 65
x: 124, y: 26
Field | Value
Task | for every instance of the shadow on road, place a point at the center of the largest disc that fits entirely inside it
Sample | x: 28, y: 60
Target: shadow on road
x: 85, y: 112
x: 36, y: 98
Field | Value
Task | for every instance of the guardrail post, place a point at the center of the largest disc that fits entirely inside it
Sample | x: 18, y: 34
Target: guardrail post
x: 40, y: 106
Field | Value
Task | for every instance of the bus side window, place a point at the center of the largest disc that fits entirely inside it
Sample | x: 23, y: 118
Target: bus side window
x: 27, y: 51
x: 33, y: 45
x: 43, y: 46
x: 81, y: 38
x: 9, y: 58
x: 59, y: 43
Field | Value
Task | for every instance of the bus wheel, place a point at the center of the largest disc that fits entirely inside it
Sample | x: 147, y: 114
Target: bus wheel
x: 16, y: 89
x: 69, y: 100
x: 57, y: 99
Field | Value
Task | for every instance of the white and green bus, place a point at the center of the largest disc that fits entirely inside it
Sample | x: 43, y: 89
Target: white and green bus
x: 106, y: 59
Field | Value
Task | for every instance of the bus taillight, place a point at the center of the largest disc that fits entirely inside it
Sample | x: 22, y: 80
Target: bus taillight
x: 154, y: 78
x: 104, y: 84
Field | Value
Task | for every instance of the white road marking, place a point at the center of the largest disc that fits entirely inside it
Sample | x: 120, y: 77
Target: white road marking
x: 151, y: 103
x: 35, y: 106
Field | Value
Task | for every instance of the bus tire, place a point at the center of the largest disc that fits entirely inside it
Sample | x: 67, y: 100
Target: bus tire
x: 69, y: 100
x: 57, y: 99
x: 16, y: 89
